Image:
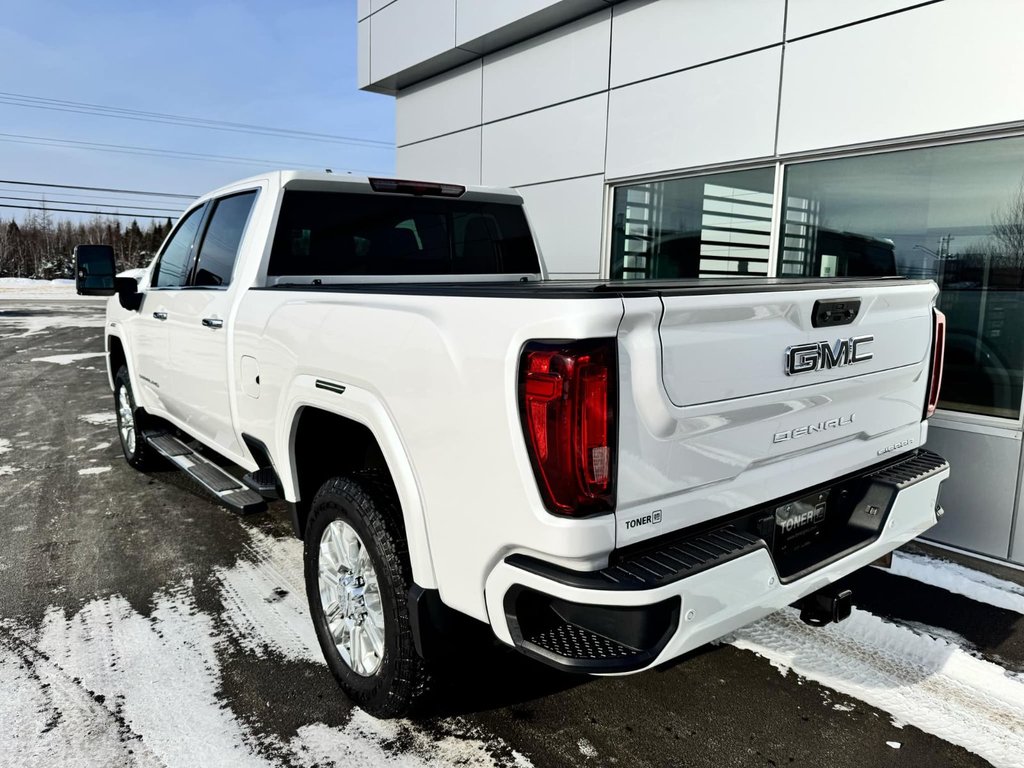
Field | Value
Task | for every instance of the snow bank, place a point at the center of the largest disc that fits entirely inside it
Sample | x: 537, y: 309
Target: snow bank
x: 960, y: 579
x: 920, y: 679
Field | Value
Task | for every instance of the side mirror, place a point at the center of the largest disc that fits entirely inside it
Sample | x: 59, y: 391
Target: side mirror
x: 94, y: 270
x: 128, y: 293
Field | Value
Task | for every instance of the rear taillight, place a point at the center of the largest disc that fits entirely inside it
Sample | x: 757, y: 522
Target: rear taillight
x: 567, y: 400
x: 938, y: 353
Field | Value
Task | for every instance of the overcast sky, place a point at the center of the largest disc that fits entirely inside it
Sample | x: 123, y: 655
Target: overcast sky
x: 278, y: 64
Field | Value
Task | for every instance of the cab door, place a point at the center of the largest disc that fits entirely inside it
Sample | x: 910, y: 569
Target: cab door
x: 197, y: 324
x: 150, y: 341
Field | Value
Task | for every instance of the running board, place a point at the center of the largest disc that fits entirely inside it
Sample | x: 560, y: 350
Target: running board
x: 222, y: 486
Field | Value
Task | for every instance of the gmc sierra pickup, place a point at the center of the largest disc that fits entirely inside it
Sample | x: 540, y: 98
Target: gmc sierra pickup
x: 608, y: 474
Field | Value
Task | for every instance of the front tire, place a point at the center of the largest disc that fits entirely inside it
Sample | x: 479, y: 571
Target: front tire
x: 136, y: 451
x: 357, y: 577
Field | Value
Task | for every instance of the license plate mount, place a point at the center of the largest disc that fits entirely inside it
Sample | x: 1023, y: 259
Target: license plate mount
x: 801, y: 522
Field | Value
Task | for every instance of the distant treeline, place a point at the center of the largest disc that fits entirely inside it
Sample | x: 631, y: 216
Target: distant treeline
x: 41, y: 247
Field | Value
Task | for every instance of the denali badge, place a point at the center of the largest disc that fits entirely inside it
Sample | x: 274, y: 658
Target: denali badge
x: 810, y: 429
x: 804, y: 358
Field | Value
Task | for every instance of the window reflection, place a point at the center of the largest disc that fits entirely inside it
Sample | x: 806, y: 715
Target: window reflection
x: 954, y: 214
x: 717, y: 225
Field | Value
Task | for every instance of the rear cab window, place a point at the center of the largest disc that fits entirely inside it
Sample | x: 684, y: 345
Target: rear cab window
x: 336, y: 234
x: 219, y: 248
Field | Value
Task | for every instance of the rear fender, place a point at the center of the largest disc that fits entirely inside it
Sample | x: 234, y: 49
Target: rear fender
x: 363, y: 407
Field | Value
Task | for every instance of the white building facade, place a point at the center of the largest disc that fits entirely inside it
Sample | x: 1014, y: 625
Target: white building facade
x: 692, y: 138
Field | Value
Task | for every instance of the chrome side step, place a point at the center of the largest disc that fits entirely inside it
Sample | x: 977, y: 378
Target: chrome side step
x: 222, y: 486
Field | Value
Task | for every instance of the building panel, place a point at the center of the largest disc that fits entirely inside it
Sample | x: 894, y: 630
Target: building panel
x: 484, y: 25
x: 805, y: 17
x: 954, y: 59
x: 555, y: 143
x: 566, y: 218
x: 978, y: 515
x: 560, y: 65
x: 363, y: 55
x: 454, y: 158
x: 717, y: 113
x: 408, y: 32
x: 651, y: 39
x: 417, y: 116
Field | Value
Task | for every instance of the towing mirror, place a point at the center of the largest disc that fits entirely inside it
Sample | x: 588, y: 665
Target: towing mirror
x: 94, y: 270
x: 128, y: 293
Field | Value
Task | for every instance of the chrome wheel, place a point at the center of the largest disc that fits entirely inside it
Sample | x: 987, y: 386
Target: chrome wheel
x: 126, y: 421
x: 350, y: 597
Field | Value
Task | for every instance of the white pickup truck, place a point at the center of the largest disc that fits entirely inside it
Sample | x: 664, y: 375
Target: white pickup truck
x: 608, y: 474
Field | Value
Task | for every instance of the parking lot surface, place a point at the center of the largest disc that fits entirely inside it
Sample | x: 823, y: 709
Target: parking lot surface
x: 142, y: 624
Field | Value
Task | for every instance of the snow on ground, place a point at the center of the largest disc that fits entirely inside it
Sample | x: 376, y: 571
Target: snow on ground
x: 919, y: 678
x: 102, y: 419
x: 5, y: 445
x: 67, y: 359
x: 94, y: 470
x: 109, y: 686
x: 960, y: 579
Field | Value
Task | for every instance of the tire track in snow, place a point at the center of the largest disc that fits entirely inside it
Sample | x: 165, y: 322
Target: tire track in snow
x: 921, y: 680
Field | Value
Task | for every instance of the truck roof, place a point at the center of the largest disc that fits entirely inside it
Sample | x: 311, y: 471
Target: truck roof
x: 347, y: 182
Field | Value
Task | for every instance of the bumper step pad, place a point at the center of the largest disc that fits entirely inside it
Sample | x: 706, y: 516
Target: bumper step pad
x: 572, y: 642
x: 223, y: 486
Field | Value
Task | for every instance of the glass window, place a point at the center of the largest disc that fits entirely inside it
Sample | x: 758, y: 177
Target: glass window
x: 704, y: 226
x: 954, y: 214
x: 335, y: 233
x: 173, y: 266
x: 219, y: 248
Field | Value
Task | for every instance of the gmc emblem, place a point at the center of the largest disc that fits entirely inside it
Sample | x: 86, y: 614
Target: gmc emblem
x: 820, y: 355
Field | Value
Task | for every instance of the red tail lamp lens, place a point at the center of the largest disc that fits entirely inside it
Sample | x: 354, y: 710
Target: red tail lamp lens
x: 938, y: 356
x: 567, y: 406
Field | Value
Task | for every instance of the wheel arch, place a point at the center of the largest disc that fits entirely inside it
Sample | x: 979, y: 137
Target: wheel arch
x: 324, y: 442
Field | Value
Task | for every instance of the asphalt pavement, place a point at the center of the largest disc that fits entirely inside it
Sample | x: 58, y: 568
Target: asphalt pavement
x: 143, y: 624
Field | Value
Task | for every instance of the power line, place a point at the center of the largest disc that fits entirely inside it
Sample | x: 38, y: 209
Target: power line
x: 65, y: 193
x: 61, y: 105
x: 94, y: 213
x: 45, y: 203
x: 96, y: 189
x: 123, y: 149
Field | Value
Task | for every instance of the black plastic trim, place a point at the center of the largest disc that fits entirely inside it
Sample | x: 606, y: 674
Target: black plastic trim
x: 590, y: 289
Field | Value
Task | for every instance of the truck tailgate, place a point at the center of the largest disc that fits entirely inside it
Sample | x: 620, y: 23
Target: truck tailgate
x: 712, y: 422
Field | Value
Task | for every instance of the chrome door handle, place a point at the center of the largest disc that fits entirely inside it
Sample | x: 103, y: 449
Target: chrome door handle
x: 213, y: 322
x: 160, y: 315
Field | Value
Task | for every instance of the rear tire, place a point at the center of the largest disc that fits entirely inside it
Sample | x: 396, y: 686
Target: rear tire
x: 129, y: 428
x: 358, y: 575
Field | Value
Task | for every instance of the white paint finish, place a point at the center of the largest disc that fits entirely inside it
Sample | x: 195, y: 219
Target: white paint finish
x: 454, y: 158
x: 652, y: 38
x: 566, y: 219
x: 559, y: 142
x: 722, y: 112
x: 407, y: 32
x: 477, y: 18
x: 563, y: 64
x: 806, y: 17
x: 363, y: 53
x: 443, y: 104
x: 956, y: 61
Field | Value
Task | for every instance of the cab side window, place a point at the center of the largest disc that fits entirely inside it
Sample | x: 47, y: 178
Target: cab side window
x: 219, y: 247
x: 173, y: 267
